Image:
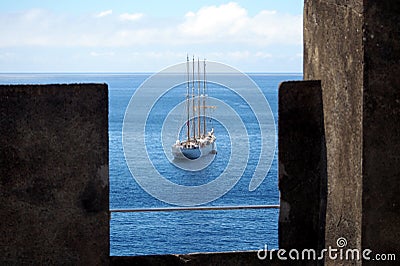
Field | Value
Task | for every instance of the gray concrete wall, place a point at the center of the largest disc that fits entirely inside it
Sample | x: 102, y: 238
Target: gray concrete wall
x: 381, y: 128
x: 302, y: 166
x: 54, y: 174
x: 334, y: 54
x: 200, y: 259
x: 353, y: 47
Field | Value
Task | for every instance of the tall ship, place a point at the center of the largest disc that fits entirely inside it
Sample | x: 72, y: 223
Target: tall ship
x: 198, y: 142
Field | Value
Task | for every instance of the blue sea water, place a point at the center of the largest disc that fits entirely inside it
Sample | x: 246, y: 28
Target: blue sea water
x: 176, y: 232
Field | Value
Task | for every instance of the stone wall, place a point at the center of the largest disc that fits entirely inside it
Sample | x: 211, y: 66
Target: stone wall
x: 200, y: 259
x: 333, y: 53
x: 381, y: 128
x: 353, y: 47
x: 54, y: 174
x: 302, y: 166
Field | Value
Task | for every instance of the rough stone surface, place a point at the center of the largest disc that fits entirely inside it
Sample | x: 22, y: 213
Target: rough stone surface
x: 334, y: 54
x: 302, y: 166
x: 381, y: 128
x: 353, y: 47
x: 200, y: 259
x: 54, y: 174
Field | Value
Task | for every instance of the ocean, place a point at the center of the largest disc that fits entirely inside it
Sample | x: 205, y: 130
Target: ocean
x: 177, y: 232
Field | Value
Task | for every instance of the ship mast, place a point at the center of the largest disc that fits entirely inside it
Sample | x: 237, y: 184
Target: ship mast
x: 204, y: 100
x: 198, y: 97
x: 187, y: 100
x: 193, y: 105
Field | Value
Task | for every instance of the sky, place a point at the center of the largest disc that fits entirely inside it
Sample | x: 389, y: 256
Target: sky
x: 148, y: 36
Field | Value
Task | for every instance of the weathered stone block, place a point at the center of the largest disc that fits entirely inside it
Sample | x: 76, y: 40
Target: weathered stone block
x: 353, y: 47
x: 381, y: 128
x: 333, y: 53
x: 302, y: 166
x: 54, y: 174
x: 199, y: 259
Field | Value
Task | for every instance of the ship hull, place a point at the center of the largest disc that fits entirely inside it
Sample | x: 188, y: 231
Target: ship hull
x: 192, y: 153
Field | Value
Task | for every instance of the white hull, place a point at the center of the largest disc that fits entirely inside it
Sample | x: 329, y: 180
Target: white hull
x: 179, y: 151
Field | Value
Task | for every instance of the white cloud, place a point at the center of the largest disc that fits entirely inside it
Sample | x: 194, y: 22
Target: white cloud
x: 96, y: 54
x: 131, y: 17
x: 224, y: 32
x: 104, y: 13
x: 223, y: 25
x: 239, y: 55
x: 231, y: 23
x: 263, y: 55
x: 213, y: 20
